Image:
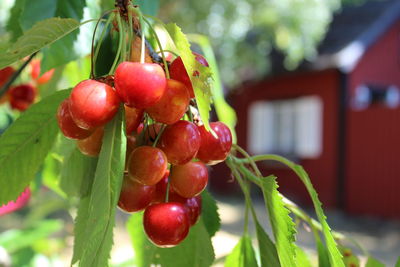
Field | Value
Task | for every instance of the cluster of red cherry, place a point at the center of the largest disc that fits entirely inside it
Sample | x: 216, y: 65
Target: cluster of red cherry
x: 23, y: 95
x: 166, y: 155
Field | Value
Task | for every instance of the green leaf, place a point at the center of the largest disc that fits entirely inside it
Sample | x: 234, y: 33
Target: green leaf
x: 195, y: 251
x: 397, y: 263
x: 51, y: 174
x: 40, y: 35
x: 224, y: 111
x: 82, y: 221
x: 13, y: 23
x: 349, y: 258
x: 242, y: 254
x: 372, y: 262
x: 323, y: 254
x: 143, y: 248
x: 25, y: 144
x: 302, y: 258
x: 282, y: 225
x: 269, y: 256
x: 77, y: 174
x: 100, y: 216
x: 209, y: 213
x: 202, y: 81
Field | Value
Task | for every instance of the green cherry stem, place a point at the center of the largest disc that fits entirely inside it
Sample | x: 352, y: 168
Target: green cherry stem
x: 120, y: 41
x: 143, y: 45
x: 99, y: 42
x: 159, y: 135
x: 130, y: 32
x: 160, y: 46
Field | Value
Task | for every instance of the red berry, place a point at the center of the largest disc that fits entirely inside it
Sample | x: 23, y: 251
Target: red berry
x: 91, y: 146
x: 147, y: 165
x: 22, y: 96
x: 140, y: 85
x: 133, y: 117
x: 179, y: 73
x: 134, y: 196
x: 214, y: 149
x: 193, y: 206
x: 172, y: 105
x: 35, y: 71
x: 5, y: 74
x: 166, y: 224
x: 93, y: 104
x: 180, y: 142
x: 190, y: 179
x: 67, y: 126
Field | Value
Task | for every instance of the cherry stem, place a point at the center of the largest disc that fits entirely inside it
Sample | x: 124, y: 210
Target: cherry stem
x: 160, y: 46
x: 130, y: 10
x: 120, y: 41
x: 168, y: 185
x: 143, y: 44
x: 159, y: 135
x: 13, y: 77
x: 99, y: 42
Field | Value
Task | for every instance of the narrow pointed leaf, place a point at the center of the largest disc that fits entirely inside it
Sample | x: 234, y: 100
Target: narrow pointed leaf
x: 242, y: 254
x: 98, y: 231
x: 25, y: 144
x: 40, y: 35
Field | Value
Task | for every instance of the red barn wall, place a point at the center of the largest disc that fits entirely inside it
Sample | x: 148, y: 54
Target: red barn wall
x: 322, y: 170
x: 373, y: 161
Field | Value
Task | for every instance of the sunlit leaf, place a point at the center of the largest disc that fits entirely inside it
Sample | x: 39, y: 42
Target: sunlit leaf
x: 209, y: 213
x: 242, y: 254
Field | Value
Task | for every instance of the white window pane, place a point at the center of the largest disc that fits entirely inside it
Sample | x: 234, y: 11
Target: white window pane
x: 308, y: 127
x: 261, y: 127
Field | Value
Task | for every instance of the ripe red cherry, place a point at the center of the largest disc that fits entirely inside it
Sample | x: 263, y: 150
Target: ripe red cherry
x: 134, y: 196
x: 147, y: 165
x: 22, y: 96
x: 5, y: 74
x: 180, y: 142
x: 93, y: 104
x: 179, y: 73
x: 67, y: 126
x: 91, y: 146
x: 190, y: 179
x: 133, y: 117
x: 35, y: 71
x: 166, y: 224
x: 193, y: 206
x: 172, y: 105
x: 140, y: 85
x: 214, y: 149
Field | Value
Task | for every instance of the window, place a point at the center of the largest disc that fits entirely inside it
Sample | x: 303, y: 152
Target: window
x: 290, y: 127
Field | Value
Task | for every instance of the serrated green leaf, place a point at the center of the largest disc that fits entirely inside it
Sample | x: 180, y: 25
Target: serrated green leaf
x: 202, y: 81
x: 81, y: 223
x: 209, y: 213
x: 224, y: 111
x: 372, y: 262
x: 77, y: 174
x: 302, y: 258
x: 242, y: 254
x: 282, y: 225
x: 143, y: 248
x: 25, y: 144
x: 268, y: 255
x: 40, y: 35
x: 195, y: 251
x: 104, y: 196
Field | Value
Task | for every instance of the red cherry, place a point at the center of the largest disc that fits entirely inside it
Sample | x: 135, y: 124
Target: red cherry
x: 179, y: 73
x: 35, y: 71
x: 166, y: 224
x: 140, y: 85
x: 190, y: 179
x: 180, y: 142
x: 133, y: 117
x: 193, y: 206
x: 147, y: 165
x: 161, y: 189
x: 67, y: 126
x: 172, y: 105
x: 134, y: 196
x: 214, y: 149
x: 5, y: 74
x: 22, y: 96
x: 93, y: 104
x: 91, y: 146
